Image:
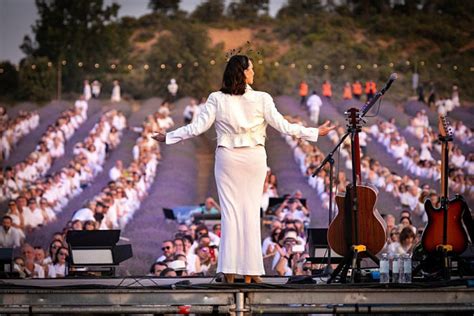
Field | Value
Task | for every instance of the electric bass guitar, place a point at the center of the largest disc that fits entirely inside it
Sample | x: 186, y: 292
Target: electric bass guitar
x: 445, y: 225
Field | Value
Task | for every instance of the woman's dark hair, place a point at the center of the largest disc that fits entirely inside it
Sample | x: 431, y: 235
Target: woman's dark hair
x: 56, y: 257
x: 233, y: 81
x: 406, y: 233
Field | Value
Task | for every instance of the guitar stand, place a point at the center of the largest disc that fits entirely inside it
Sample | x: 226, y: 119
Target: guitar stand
x: 444, y: 254
x: 352, y: 261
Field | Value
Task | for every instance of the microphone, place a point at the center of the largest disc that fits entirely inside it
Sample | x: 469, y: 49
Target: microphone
x: 366, y: 108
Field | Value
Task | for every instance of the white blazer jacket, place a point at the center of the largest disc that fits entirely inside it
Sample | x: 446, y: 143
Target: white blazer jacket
x: 241, y: 120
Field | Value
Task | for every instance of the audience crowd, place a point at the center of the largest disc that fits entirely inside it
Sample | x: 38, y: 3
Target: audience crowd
x: 12, y: 130
x: 35, y: 199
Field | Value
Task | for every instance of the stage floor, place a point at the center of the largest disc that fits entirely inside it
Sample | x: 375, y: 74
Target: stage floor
x: 137, y: 295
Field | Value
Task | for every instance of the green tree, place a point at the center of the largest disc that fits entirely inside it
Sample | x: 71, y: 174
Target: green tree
x: 298, y: 8
x: 76, y: 31
x: 37, y: 79
x: 8, y: 79
x: 248, y: 10
x: 167, y: 7
x: 209, y: 11
x: 189, y: 45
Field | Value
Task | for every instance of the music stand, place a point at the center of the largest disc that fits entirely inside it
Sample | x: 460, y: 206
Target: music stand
x: 169, y: 214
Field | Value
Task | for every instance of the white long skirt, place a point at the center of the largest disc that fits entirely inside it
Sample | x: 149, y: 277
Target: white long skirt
x: 240, y: 175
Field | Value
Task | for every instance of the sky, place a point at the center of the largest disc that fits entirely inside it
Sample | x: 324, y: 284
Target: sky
x: 17, y: 16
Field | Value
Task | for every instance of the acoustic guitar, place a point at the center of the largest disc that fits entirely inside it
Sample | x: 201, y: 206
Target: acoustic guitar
x: 366, y: 226
x: 445, y: 225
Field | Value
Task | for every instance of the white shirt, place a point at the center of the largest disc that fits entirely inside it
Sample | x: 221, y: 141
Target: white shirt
x: 240, y: 120
x: 10, y: 239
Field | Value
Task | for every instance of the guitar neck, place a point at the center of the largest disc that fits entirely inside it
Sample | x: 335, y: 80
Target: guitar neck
x: 356, y: 161
x: 444, y: 169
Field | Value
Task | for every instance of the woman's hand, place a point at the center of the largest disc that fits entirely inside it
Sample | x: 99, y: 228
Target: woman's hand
x: 159, y: 137
x: 325, y: 128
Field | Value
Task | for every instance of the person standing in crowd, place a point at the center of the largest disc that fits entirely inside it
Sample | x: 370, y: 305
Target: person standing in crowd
x: 87, y: 92
x: 327, y: 90
x: 421, y: 93
x: 314, y: 106
x: 241, y: 116
x: 303, y: 92
x: 347, y: 92
x: 172, y: 89
x: 455, y: 96
x: 432, y: 95
x: 370, y: 89
x: 357, y: 89
x: 96, y: 89
x: 190, y: 111
x: 116, y: 94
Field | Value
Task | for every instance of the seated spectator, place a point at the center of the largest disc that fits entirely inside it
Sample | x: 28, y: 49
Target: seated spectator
x: 168, y: 251
x: 10, y: 237
x: 32, y: 269
x: 157, y: 268
x: 58, y: 269
x: 168, y: 273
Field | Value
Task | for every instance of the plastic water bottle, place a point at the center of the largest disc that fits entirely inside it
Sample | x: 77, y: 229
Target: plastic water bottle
x: 396, y: 269
x: 406, y: 268
x: 384, y: 269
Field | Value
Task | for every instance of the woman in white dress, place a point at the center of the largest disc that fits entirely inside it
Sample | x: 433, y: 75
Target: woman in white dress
x: 241, y: 116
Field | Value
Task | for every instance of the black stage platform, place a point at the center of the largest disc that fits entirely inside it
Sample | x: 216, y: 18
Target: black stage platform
x: 137, y: 295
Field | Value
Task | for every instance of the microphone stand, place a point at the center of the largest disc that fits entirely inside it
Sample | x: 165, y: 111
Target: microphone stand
x: 329, y: 159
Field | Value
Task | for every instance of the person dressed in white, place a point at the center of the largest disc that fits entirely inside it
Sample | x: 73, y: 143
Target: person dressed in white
x: 241, y: 116
x: 87, y: 92
x: 116, y: 97
x: 173, y: 88
x: 96, y: 89
x: 82, y: 106
x: 314, y: 105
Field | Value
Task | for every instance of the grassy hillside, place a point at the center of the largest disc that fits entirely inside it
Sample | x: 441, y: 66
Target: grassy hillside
x: 328, y: 46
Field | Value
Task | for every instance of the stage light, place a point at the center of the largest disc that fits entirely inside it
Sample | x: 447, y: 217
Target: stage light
x: 375, y: 65
x: 359, y: 66
x: 260, y: 61
x: 179, y: 65
x: 130, y: 67
x: 422, y: 63
x: 33, y: 66
x: 196, y: 64
x: 212, y: 62
x: 293, y: 65
x: 146, y: 67
x: 438, y: 66
x: 96, y: 66
x: 471, y: 69
x: 391, y: 65
x: 276, y: 64
x: 64, y: 62
x: 407, y: 62
x: 309, y: 66
x: 113, y: 66
x: 326, y: 67
x: 342, y: 67
x: 455, y: 67
x: 162, y: 66
x: 50, y: 64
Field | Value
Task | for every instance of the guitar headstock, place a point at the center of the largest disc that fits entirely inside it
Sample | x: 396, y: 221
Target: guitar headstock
x: 444, y: 126
x: 353, y: 119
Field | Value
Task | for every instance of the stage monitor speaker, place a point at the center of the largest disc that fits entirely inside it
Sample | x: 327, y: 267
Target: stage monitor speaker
x: 169, y: 214
x: 318, y: 246
x: 97, y: 248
